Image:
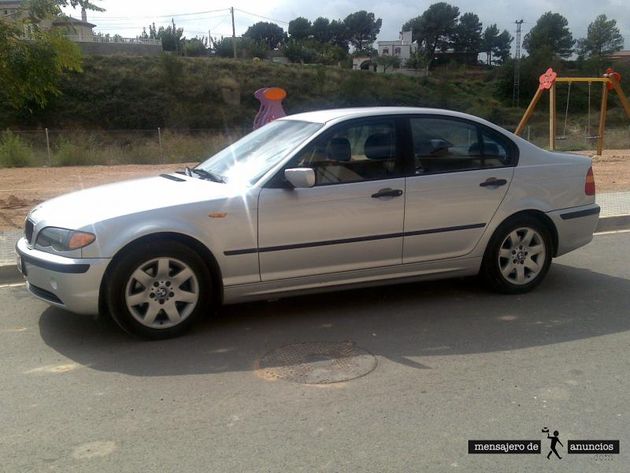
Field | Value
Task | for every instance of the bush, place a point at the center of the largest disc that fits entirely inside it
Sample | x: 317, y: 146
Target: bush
x: 71, y: 154
x: 14, y: 153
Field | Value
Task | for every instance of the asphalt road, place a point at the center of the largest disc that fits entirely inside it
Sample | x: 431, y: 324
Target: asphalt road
x: 454, y: 363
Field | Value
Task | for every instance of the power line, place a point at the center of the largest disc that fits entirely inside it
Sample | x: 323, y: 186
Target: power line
x: 135, y: 22
x: 261, y: 16
x: 222, y: 10
x: 212, y: 28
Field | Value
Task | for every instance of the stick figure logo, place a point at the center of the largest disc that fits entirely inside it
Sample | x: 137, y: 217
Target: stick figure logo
x: 554, y: 440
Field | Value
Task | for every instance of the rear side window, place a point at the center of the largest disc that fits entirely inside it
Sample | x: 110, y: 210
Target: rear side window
x: 450, y: 145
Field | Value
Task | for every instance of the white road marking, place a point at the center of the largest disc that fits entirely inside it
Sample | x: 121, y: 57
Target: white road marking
x: 56, y: 369
x: 13, y: 330
x: 17, y: 284
x: 94, y: 449
x: 613, y: 232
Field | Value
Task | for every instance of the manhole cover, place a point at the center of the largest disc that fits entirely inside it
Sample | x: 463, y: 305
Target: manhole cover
x: 317, y: 363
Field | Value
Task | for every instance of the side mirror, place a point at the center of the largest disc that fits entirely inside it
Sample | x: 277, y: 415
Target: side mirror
x: 300, y: 177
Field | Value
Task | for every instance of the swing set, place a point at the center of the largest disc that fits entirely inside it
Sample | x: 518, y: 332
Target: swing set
x: 610, y: 81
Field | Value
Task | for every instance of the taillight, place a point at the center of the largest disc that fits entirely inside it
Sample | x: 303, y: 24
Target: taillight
x: 589, y: 184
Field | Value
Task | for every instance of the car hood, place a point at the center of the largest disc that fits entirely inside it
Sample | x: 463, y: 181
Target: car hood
x: 89, y: 206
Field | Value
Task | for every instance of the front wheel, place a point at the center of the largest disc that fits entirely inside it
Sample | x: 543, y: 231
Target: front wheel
x: 159, y: 289
x: 518, y: 256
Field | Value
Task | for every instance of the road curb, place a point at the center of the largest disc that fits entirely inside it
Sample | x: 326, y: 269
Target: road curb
x: 9, y: 273
x: 612, y: 223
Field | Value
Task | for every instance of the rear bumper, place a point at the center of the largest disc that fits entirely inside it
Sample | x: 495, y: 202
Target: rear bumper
x: 575, y: 226
x: 72, y: 284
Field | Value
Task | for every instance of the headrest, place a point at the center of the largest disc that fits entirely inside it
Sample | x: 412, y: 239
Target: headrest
x: 339, y: 149
x: 379, y: 146
x: 489, y: 149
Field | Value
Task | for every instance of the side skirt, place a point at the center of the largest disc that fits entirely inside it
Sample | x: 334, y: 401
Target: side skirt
x: 352, y: 280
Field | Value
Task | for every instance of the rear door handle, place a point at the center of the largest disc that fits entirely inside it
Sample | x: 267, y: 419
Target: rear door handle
x: 388, y: 193
x: 493, y: 182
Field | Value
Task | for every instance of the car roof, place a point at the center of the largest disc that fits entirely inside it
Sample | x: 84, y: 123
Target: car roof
x: 324, y: 116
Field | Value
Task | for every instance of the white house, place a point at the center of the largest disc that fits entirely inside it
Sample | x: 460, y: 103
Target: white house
x: 403, y: 47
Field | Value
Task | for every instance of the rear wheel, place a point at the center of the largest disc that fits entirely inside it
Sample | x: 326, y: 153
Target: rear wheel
x: 159, y: 289
x: 518, y: 256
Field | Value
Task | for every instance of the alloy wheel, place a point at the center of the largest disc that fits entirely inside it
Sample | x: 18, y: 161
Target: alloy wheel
x: 162, y: 292
x: 522, y: 256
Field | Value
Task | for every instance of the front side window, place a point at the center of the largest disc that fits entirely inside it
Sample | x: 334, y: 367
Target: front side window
x: 353, y: 153
x: 255, y: 154
x: 450, y: 145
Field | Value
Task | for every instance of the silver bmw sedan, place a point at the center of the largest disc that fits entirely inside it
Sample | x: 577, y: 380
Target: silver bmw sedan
x: 313, y: 202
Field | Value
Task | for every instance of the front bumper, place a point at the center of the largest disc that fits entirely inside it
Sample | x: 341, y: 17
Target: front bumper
x: 72, y: 284
x: 575, y: 226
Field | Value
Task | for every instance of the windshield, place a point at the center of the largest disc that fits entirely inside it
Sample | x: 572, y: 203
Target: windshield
x: 252, y: 156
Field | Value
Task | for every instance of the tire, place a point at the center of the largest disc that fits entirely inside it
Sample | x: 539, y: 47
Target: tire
x: 518, y: 255
x: 159, y: 289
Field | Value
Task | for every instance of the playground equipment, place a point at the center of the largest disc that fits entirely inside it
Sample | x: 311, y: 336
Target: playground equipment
x: 270, y: 99
x: 610, y: 81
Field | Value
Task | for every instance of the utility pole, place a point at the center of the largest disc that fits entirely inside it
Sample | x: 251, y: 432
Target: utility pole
x: 233, y: 32
x: 516, y: 89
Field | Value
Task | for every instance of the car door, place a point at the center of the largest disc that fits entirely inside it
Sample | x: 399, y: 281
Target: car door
x: 462, y: 172
x: 351, y: 219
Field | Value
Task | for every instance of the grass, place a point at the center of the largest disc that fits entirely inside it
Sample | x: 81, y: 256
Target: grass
x: 14, y: 152
x: 83, y: 148
x: 578, y: 136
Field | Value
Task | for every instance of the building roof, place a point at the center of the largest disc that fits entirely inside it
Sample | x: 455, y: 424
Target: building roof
x: 68, y: 20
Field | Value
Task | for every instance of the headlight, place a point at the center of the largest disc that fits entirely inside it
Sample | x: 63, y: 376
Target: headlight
x: 62, y: 239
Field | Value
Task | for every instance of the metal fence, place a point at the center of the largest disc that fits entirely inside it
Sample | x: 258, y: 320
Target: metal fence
x: 116, y: 39
x: 62, y: 147
x: 65, y: 147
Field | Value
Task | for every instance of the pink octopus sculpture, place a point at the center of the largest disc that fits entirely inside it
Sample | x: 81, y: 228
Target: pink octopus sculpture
x: 270, y: 105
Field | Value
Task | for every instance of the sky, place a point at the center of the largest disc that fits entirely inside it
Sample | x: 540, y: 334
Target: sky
x: 127, y: 17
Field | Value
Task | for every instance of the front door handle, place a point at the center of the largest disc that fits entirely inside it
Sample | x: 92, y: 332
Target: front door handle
x: 388, y: 193
x: 493, y: 182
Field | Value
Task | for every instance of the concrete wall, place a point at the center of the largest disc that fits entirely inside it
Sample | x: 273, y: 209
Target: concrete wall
x: 113, y: 49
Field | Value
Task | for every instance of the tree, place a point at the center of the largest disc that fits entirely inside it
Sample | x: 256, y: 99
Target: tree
x: 339, y: 34
x: 362, y: 28
x: 434, y: 29
x: 196, y: 47
x: 223, y: 47
x: 603, y: 38
x: 246, y: 48
x: 32, y: 64
x: 417, y: 60
x: 297, y: 51
x: 503, y: 46
x: 467, y: 35
x: 496, y: 45
x: 320, y: 30
x: 550, y: 36
x: 171, y: 36
x: 387, y: 61
x: 300, y: 28
x: 488, y: 40
x: 269, y: 34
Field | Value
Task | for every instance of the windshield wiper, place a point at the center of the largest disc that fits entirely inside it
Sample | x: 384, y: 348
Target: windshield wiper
x: 202, y: 173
